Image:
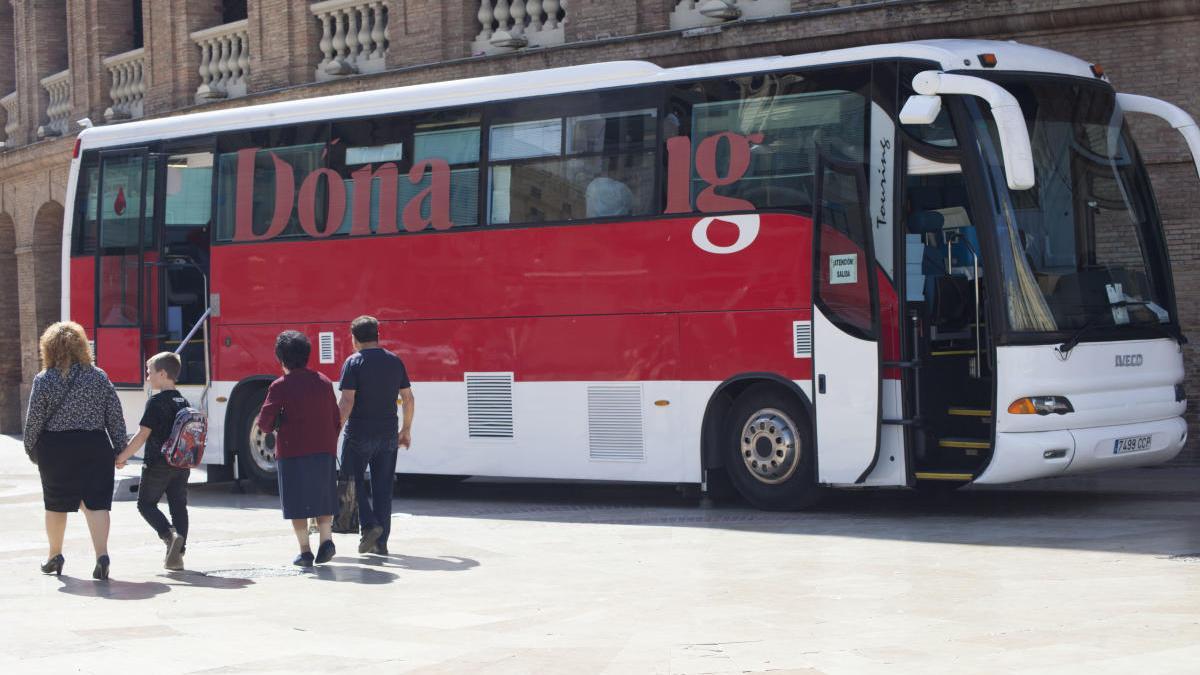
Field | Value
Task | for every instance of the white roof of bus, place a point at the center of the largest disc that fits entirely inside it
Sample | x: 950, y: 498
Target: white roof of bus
x: 951, y: 54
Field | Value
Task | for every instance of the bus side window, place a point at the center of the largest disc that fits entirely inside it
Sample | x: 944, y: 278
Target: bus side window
x: 783, y: 118
x: 302, y: 148
x: 87, y: 200
x: 451, y: 137
x: 370, y: 150
x: 573, y: 166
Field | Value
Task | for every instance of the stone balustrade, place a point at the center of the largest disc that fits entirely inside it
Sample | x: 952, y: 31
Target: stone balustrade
x: 513, y: 24
x: 58, y: 111
x: 128, y: 85
x: 700, y: 13
x: 354, y: 37
x: 12, y: 121
x: 224, y: 61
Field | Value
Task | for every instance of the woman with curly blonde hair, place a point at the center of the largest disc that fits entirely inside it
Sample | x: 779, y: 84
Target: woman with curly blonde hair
x: 73, y: 424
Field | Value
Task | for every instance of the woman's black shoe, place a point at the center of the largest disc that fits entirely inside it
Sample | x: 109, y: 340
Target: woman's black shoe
x: 326, y: 552
x: 101, y: 571
x: 53, y: 565
x: 305, y: 559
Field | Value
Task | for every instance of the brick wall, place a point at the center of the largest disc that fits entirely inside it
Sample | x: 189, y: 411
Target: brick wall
x: 172, y: 59
x: 8, y: 64
x: 41, y: 46
x: 108, y: 26
x: 10, y: 331
x: 284, y: 37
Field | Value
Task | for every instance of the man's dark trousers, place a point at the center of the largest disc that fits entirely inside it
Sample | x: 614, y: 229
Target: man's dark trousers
x: 379, y: 453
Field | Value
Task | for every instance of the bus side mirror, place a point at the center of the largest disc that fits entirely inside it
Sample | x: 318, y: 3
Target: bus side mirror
x: 1010, y: 121
x: 921, y: 109
x: 1169, y: 113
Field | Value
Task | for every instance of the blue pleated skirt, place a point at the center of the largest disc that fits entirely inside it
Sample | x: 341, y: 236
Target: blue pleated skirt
x: 307, y: 486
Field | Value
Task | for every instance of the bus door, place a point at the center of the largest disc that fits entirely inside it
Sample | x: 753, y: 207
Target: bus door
x: 846, y: 351
x: 126, y: 263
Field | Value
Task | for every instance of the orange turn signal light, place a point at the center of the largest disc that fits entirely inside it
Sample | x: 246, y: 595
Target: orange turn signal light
x: 1022, y: 406
x: 1041, y: 405
x: 1097, y: 70
x: 987, y: 60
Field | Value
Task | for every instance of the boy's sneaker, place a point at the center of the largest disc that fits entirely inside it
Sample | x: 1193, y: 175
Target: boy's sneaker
x: 174, y: 559
x: 326, y: 552
x: 369, y: 537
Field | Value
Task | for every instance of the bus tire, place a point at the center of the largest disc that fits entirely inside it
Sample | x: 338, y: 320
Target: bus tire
x: 770, y: 456
x: 256, y: 450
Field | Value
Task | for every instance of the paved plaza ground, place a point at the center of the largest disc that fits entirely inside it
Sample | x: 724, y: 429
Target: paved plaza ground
x: 1097, y: 575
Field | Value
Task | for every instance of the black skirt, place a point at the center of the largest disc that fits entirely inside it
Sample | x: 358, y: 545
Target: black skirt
x: 76, y: 466
x: 307, y: 486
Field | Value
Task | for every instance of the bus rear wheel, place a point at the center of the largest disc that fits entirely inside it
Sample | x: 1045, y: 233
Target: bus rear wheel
x: 256, y: 450
x: 769, y: 450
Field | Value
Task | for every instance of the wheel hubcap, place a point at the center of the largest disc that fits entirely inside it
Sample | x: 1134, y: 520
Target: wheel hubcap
x: 771, y: 446
x: 262, y: 449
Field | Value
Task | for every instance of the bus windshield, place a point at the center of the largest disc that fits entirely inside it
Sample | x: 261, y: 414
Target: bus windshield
x: 1082, y: 248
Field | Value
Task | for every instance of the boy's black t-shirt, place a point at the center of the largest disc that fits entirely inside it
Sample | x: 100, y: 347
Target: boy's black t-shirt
x: 376, y: 375
x: 159, y: 418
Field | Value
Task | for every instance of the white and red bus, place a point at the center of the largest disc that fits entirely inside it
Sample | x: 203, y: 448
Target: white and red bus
x: 894, y: 265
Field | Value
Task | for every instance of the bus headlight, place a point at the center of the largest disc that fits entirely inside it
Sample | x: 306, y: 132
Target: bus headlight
x: 1041, y: 405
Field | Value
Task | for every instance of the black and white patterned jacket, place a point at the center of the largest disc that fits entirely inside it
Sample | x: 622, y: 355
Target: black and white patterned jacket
x: 92, y: 404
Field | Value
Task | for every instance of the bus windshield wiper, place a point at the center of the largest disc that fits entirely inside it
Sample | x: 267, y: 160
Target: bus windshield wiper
x: 1065, y: 348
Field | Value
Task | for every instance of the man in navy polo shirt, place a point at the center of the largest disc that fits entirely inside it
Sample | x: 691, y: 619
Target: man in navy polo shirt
x: 372, y: 379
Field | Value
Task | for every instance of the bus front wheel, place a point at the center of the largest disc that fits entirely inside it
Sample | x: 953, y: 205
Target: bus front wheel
x: 256, y: 450
x: 769, y: 450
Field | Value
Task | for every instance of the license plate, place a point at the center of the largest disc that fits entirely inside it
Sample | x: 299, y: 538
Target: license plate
x: 1131, y: 444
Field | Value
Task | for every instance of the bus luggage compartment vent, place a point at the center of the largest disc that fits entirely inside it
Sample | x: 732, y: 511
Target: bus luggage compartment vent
x: 802, y: 339
x: 615, y: 422
x: 325, y: 353
x: 489, y: 405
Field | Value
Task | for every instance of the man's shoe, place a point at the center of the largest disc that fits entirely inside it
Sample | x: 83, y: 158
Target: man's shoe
x: 326, y: 552
x: 369, y: 537
x: 174, y: 559
x: 305, y: 559
x: 380, y: 549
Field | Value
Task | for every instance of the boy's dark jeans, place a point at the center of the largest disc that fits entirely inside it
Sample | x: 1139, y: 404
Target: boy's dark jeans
x: 379, y: 453
x: 159, y: 479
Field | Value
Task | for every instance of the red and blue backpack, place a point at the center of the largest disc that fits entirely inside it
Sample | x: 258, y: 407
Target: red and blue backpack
x: 184, y: 448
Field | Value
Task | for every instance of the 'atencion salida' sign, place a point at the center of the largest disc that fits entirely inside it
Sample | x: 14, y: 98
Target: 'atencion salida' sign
x: 843, y: 269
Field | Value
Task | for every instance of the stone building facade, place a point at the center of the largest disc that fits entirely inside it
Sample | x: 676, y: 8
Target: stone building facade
x: 111, y: 60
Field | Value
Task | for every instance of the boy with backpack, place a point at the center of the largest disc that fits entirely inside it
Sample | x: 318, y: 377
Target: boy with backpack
x: 170, y: 429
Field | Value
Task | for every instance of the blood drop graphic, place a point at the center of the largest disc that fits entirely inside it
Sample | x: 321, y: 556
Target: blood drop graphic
x: 119, y: 202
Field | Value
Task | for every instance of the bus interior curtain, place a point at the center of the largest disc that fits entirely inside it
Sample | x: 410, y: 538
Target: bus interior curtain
x: 1027, y: 308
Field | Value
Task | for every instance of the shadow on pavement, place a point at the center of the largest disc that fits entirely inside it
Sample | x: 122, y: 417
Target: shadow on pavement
x: 112, y: 589
x: 202, y: 580
x: 352, y: 575
x: 1153, y: 511
x: 446, y: 563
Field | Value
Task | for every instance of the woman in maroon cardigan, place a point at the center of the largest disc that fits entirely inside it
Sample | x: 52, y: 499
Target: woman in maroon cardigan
x: 302, y: 411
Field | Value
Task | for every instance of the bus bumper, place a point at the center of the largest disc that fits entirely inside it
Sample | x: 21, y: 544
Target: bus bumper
x: 1039, y: 454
